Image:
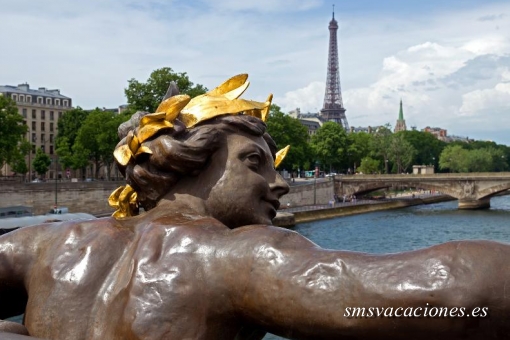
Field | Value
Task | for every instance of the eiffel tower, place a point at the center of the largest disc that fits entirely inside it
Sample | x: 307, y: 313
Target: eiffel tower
x: 333, y: 108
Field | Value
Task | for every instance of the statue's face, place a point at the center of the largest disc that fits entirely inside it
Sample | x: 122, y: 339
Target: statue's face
x: 246, y: 186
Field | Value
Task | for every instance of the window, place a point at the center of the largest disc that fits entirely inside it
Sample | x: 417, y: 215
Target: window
x: 28, y: 99
x: 33, y: 114
x: 59, y: 114
x: 48, y: 101
x: 25, y: 122
x: 34, y: 137
x: 21, y: 98
x: 51, y: 149
x: 51, y: 127
x: 39, y: 100
x: 43, y: 114
x: 42, y: 148
x: 42, y: 126
x: 24, y: 113
x: 14, y: 97
x: 33, y: 148
x: 33, y: 126
x: 51, y: 138
x: 51, y: 115
x: 42, y: 138
x: 65, y: 102
x: 57, y: 102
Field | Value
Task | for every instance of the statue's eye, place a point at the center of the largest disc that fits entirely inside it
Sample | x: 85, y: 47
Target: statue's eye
x: 253, y: 160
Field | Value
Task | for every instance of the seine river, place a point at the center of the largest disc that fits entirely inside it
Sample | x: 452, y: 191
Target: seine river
x: 410, y: 228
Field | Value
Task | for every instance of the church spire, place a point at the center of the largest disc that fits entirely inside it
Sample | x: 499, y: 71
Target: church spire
x: 401, y: 123
x: 401, y: 112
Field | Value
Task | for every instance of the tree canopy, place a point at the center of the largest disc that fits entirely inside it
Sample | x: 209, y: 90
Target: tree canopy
x: 12, y: 131
x: 286, y: 130
x: 329, y: 145
x: 147, y: 96
x: 41, y: 162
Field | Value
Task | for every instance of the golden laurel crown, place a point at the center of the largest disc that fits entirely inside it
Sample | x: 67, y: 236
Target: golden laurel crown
x: 222, y: 100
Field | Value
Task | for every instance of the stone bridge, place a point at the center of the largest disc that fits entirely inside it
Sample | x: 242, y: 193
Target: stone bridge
x: 473, y: 190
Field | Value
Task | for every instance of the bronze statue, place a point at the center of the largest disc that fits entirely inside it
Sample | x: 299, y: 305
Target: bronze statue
x: 203, y: 261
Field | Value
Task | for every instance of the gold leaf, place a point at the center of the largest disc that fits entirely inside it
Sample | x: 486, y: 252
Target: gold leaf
x: 123, y: 154
x: 173, y: 105
x: 143, y: 149
x: 113, y: 200
x: 152, y: 117
x: 209, y: 107
x: 134, y: 144
x: 280, y: 155
x: 229, y: 85
x: 265, y: 111
x: 151, y: 129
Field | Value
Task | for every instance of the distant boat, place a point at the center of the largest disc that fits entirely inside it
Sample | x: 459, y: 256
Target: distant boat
x: 15, y: 211
x: 13, y: 223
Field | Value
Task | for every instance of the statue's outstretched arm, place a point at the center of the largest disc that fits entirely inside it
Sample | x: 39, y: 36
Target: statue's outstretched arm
x: 18, y: 251
x: 291, y: 287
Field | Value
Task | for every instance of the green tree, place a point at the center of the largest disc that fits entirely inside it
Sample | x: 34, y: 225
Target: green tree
x: 147, y: 96
x: 454, y: 159
x: 68, y: 127
x: 479, y: 160
x: 369, y: 165
x: 41, y: 162
x: 359, y: 147
x: 286, y: 130
x: 428, y: 147
x: 329, y: 145
x: 96, y: 140
x: 17, y: 163
x: 12, y: 131
x: 381, y: 142
x: 401, y: 152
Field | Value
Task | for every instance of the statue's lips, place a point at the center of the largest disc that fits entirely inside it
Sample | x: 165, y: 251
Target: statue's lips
x: 275, y: 205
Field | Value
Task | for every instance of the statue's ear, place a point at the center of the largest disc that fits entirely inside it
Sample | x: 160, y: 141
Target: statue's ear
x: 173, y: 90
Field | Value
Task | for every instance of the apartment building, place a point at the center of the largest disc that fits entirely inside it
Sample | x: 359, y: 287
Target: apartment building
x: 41, y: 109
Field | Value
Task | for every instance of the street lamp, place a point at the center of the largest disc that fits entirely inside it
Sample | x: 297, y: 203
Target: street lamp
x: 434, y: 164
x: 386, y: 165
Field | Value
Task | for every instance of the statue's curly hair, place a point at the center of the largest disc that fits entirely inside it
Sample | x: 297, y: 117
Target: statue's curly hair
x: 179, y: 152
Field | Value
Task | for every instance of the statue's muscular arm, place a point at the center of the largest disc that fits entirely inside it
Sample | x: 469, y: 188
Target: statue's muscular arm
x: 18, y: 253
x: 292, y: 287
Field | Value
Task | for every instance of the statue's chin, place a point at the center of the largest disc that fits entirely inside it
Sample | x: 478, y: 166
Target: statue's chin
x: 13, y: 327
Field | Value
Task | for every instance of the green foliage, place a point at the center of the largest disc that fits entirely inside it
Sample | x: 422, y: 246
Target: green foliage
x: 96, y: 139
x: 17, y: 163
x: 400, y: 152
x: 329, y: 145
x: 68, y: 127
x: 454, y: 158
x: 369, y: 165
x: 41, y: 162
x: 381, y: 142
x: 359, y: 147
x: 286, y: 130
x: 481, y: 157
x: 428, y: 147
x: 147, y: 96
x: 12, y: 131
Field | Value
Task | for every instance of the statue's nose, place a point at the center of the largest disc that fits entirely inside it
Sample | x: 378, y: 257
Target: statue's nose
x: 279, y: 187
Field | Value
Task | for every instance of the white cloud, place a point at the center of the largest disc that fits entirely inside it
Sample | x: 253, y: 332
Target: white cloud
x: 491, y: 101
x: 307, y: 99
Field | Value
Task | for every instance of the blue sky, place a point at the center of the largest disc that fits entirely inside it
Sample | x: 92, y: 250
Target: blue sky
x: 448, y: 60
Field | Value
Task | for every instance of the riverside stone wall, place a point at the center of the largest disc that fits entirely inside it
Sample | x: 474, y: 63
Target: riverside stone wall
x: 92, y: 197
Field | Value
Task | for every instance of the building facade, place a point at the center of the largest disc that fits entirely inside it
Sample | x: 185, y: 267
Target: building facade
x: 41, y: 109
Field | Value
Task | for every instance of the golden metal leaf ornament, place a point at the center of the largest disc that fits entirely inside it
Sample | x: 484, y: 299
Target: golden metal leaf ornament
x: 173, y: 105
x: 230, y: 85
x: 280, y: 156
x: 150, y: 129
x: 123, y: 154
x: 125, y: 200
